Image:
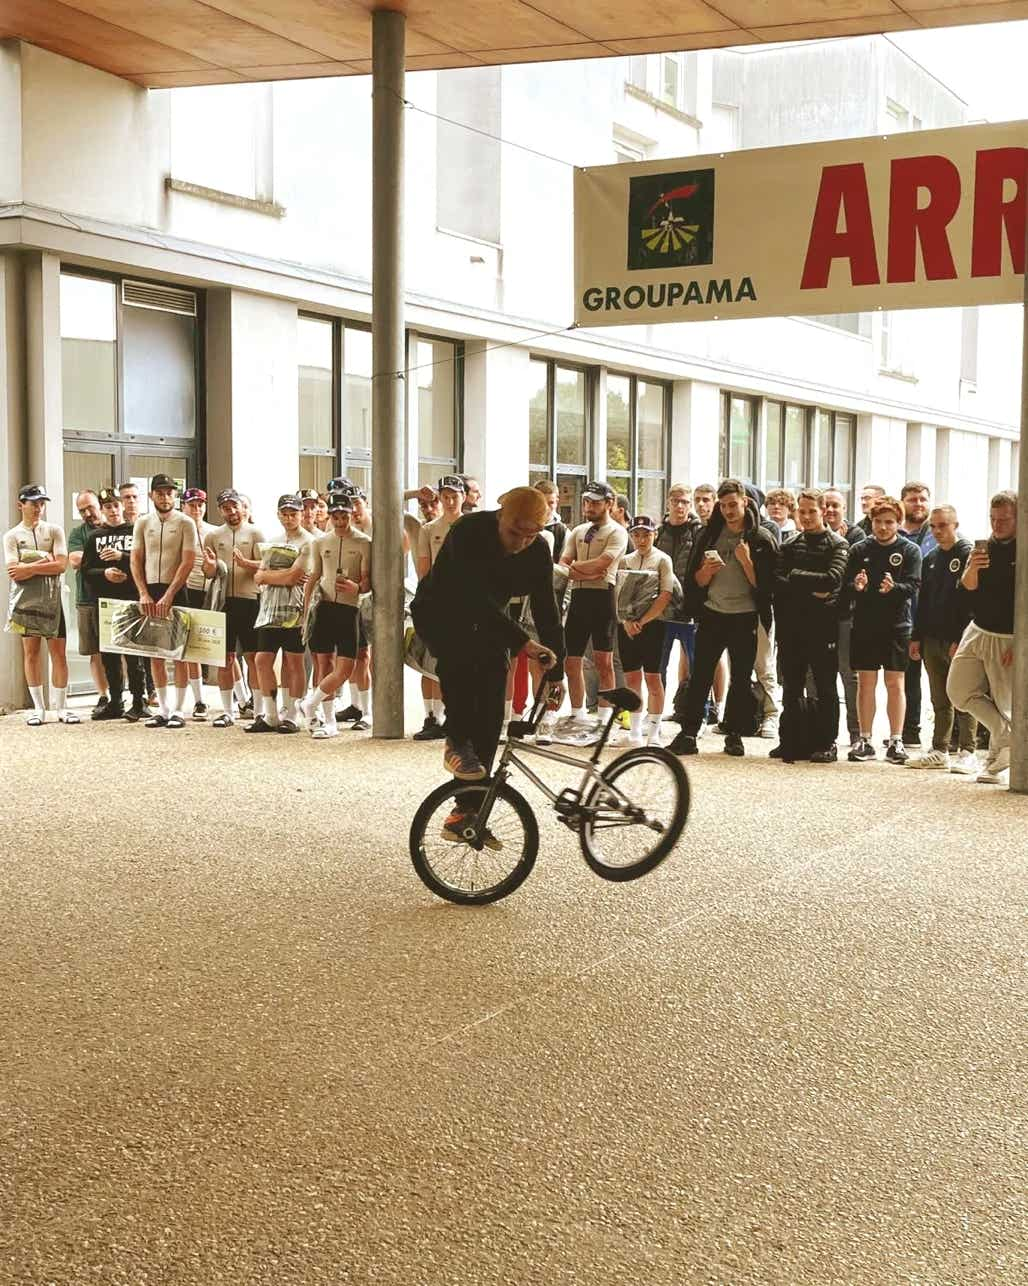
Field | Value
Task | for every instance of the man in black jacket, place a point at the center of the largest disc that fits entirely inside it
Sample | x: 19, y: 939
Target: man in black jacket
x: 460, y: 610
x: 809, y: 574
x: 105, y: 567
x: 676, y: 537
x: 729, y: 587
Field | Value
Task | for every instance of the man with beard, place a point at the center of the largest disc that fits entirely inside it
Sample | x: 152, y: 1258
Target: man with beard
x: 675, y: 537
x: 106, y: 565
x: 729, y: 588
x: 87, y: 610
x: 915, y: 498
x: 236, y: 545
x: 835, y: 520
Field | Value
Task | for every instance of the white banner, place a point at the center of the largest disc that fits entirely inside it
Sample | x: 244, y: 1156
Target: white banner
x: 930, y: 219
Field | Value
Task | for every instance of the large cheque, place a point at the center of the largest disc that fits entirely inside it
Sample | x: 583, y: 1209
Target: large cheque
x: 185, y: 634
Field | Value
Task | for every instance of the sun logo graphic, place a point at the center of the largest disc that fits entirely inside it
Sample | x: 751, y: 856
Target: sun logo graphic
x: 671, y: 220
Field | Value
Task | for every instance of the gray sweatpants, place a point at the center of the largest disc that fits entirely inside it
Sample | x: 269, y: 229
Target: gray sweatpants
x: 981, y: 684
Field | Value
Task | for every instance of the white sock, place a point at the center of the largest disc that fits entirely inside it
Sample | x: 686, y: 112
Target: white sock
x: 578, y: 713
x: 180, y: 699
x: 720, y: 711
x: 294, y: 709
x: 508, y: 711
x: 270, y: 711
x: 429, y: 707
x: 329, y: 707
x: 226, y: 700
x: 635, y: 722
x: 239, y: 688
x: 60, y: 698
x: 437, y: 710
x: 163, y: 709
x: 315, y: 698
x: 355, y: 695
x: 364, y: 701
x: 37, y: 699
x: 197, y: 687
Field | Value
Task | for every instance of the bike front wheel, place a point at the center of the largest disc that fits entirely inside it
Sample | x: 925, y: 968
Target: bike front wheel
x: 634, y: 815
x: 464, y: 870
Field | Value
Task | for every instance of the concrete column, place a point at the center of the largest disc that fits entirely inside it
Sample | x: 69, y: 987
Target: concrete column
x: 598, y: 459
x: 13, y: 454
x: 496, y: 417
x: 921, y: 450
x: 1019, y: 722
x: 43, y: 376
x: 695, y: 429
x: 387, y: 325
x: 942, y: 479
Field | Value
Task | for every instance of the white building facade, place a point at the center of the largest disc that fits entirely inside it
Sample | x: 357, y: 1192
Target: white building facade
x: 184, y: 287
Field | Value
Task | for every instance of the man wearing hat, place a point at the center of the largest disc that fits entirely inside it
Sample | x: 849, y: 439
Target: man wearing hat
x: 309, y: 518
x: 641, y: 641
x: 87, y: 610
x: 194, y: 505
x: 235, y: 546
x: 106, y: 569
x: 37, y: 548
x: 431, y: 537
x: 340, y: 562
x: 164, y: 549
x: 591, y: 554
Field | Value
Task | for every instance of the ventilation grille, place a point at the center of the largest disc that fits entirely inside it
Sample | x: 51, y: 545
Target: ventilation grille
x: 166, y: 299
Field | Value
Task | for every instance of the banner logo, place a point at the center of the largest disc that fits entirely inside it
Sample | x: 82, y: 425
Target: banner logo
x: 671, y: 220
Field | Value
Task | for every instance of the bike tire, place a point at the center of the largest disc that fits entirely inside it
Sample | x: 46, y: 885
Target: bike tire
x: 628, y: 867
x: 433, y: 862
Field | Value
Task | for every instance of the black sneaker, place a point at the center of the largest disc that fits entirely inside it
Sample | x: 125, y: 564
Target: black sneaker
x: 733, y: 745
x: 462, y: 762
x: 108, y: 712
x: 260, y: 724
x: 861, y: 752
x: 246, y: 710
x: 897, y: 753
x: 158, y: 721
x: 360, y: 725
x: 827, y: 756
x: 350, y: 715
x: 712, y: 716
x: 912, y: 737
x: 200, y: 712
x: 100, y: 706
x: 777, y: 753
x: 135, y: 712
x: 683, y: 744
x: 287, y: 725
x: 431, y: 730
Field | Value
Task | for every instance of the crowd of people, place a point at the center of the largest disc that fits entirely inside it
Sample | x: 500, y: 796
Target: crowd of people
x: 783, y: 586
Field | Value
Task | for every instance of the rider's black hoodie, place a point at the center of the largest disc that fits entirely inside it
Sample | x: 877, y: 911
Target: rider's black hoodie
x: 763, y: 551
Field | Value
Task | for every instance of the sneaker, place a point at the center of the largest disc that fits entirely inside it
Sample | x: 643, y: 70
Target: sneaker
x: 999, y: 760
x: 453, y: 826
x: 200, y: 712
x: 712, y: 717
x: 158, y: 721
x: 965, y: 763
x: 652, y: 734
x: 100, y: 706
x: 260, y: 724
x: 462, y: 762
x: 933, y: 759
x: 768, y: 728
x: 776, y: 752
x: 350, y: 715
x: 108, y: 712
x: 990, y: 776
x: 912, y: 737
x: 323, y: 733
x: 829, y: 755
x: 287, y: 725
x: 224, y: 720
x: 733, y: 745
x: 684, y: 744
x: 360, y: 725
x: 897, y: 753
x: 545, y: 730
x: 431, y: 730
x: 135, y: 712
x: 862, y: 752
x: 176, y: 721
x: 246, y: 709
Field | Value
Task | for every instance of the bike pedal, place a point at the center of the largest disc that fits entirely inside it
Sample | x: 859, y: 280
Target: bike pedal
x: 567, y: 802
x: 519, y: 728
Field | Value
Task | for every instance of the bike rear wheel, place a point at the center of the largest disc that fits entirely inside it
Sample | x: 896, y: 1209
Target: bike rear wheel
x: 460, y: 870
x: 634, y: 816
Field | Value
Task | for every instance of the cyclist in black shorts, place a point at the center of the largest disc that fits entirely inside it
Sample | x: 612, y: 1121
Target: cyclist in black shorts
x: 236, y: 544
x: 194, y: 505
x: 641, y: 642
x: 591, y: 554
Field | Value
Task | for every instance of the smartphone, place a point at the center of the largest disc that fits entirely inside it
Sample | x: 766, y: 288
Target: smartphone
x: 981, y: 546
x: 711, y: 554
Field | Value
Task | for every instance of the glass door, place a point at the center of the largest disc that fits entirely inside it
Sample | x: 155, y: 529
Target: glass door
x: 141, y: 465
x: 85, y: 468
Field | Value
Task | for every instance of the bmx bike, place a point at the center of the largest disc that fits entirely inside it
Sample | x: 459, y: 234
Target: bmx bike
x: 628, y: 815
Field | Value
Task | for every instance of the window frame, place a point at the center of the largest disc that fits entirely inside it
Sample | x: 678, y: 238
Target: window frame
x: 725, y: 444
x: 551, y: 466
x: 814, y: 418
x: 634, y: 473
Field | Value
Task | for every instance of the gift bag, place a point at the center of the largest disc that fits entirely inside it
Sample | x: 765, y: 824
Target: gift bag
x: 34, y: 607
x: 164, y: 637
x: 635, y: 594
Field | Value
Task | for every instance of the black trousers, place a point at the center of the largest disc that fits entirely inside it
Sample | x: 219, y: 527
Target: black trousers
x: 473, y: 685
x: 912, y: 686
x: 716, y: 632
x: 136, y: 676
x: 809, y: 654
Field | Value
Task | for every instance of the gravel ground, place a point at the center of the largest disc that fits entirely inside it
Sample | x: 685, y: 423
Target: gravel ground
x: 243, y: 1044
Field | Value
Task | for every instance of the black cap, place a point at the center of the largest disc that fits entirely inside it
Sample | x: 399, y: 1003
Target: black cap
x: 598, y: 491
x: 290, y: 501
x: 339, y: 502
x: 109, y: 496
x: 642, y: 523
x: 32, y: 491
x: 341, y: 484
x: 228, y: 493
x: 451, y: 482
x: 162, y: 480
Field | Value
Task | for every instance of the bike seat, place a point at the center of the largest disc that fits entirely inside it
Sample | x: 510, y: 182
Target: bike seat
x: 622, y: 698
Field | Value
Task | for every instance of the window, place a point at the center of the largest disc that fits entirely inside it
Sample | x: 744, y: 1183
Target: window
x: 468, y: 160
x: 671, y: 80
x: 89, y: 354
x: 559, y: 432
x: 738, y: 436
x: 969, y: 345
x: 637, y: 437
x: 724, y: 133
x: 805, y: 446
x: 317, y: 412
x: 638, y: 72
x: 434, y: 413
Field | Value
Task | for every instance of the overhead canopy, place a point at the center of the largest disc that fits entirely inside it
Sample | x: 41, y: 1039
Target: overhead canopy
x: 162, y: 43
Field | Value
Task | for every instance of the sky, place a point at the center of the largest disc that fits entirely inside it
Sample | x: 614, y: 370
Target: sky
x: 985, y: 64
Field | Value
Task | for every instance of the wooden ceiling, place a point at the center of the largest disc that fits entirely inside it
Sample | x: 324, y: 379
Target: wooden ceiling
x: 161, y: 43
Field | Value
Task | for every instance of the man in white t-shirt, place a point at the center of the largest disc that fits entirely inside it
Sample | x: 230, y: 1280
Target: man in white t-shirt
x: 641, y: 641
x: 194, y: 505
x: 591, y: 554
x: 431, y: 537
x: 35, y: 549
x: 236, y: 544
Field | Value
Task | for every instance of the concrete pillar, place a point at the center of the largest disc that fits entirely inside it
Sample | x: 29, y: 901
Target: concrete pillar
x: 496, y: 417
x: 695, y: 430
x: 598, y: 459
x: 13, y: 453
x: 43, y: 375
x: 942, y: 478
x: 999, y: 464
x: 387, y: 338
x: 921, y: 450
x: 1019, y: 722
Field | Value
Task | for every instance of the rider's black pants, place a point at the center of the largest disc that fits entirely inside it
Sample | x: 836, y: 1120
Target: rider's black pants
x: 473, y: 683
